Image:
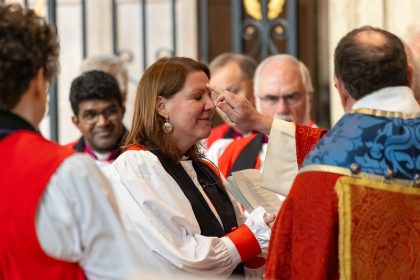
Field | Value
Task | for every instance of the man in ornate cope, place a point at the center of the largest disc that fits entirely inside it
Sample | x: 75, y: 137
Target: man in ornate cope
x: 353, y: 207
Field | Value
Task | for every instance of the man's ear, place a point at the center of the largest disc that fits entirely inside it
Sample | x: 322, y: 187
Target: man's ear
x: 40, y: 82
x: 410, y: 74
x: 123, y: 110
x: 310, y: 98
x: 161, y: 106
x: 341, y: 91
x: 75, y: 120
x: 124, y: 97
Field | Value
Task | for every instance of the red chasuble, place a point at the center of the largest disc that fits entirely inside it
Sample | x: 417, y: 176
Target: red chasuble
x: 305, y: 240
x: 292, y: 228
x: 27, y: 163
x: 303, y: 218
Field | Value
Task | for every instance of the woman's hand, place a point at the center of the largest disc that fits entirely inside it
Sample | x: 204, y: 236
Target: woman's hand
x: 269, y: 220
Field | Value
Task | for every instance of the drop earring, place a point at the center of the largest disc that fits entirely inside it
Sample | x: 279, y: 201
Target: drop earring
x: 167, y: 126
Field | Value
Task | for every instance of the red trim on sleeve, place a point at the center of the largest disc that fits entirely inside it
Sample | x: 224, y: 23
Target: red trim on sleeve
x: 135, y: 147
x: 245, y: 242
x: 255, y: 263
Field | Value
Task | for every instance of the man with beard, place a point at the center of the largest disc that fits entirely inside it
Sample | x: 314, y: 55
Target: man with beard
x: 283, y: 90
x: 96, y: 102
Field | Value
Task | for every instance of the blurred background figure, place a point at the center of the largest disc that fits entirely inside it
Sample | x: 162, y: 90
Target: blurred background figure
x: 117, y: 67
x: 415, y: 45
x: 110, y: 64
x: 235, y: 73
x: 98, y: 110
x: 413, y: 60
x: 282, y: 89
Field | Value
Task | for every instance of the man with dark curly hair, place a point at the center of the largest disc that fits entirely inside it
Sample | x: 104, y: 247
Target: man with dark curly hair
x: 98, y: 110
x: 57, y: 215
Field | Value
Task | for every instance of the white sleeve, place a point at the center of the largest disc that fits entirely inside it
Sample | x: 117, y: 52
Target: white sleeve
x: 280, y: 164
x: 259, y: 228
x: 160, y: 221
x: 254, y: 221
x: 76, y: 221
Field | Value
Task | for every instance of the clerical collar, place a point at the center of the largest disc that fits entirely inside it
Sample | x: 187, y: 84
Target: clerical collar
x: 110, y: 157
x: 10, y: 122
x: 392, y: 99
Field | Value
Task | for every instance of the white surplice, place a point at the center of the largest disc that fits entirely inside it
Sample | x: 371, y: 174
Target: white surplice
x: 77, y: 221
x: 160, y: 221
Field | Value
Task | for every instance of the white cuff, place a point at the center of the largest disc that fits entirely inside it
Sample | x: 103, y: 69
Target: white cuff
x: 259, y: 228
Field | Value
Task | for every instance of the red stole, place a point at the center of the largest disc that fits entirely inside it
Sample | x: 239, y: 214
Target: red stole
x: 222, y: 131
x: 27, y: 163
x: 233, y: 151
x: 304, y: 241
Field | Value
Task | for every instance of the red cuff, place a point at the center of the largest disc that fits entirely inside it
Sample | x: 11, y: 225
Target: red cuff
x: 255, y: 263
x: 245, y: 242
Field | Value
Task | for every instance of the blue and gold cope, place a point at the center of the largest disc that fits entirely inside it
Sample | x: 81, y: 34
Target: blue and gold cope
x: 372, y: 142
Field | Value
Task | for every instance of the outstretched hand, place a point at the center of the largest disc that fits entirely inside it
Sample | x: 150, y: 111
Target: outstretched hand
x: 238, y: 112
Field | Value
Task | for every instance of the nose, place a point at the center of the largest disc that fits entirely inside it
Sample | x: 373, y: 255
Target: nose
x: 102, y: 120
x: 282, y: 108
x: 209, y: 105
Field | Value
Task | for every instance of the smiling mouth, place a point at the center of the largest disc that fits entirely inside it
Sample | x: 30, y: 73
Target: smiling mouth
x: 104, y: 133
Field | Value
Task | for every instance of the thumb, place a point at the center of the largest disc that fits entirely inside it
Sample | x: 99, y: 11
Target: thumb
x: 268, y: 218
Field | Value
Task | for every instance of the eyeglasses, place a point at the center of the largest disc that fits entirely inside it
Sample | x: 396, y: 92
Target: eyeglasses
x: 289, y: 99
x: 111, y: 113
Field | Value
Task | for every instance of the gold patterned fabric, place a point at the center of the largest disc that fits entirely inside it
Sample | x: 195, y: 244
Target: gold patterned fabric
x: 379, y: 234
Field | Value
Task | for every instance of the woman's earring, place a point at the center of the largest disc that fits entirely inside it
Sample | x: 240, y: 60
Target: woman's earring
x: 167, y: 126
